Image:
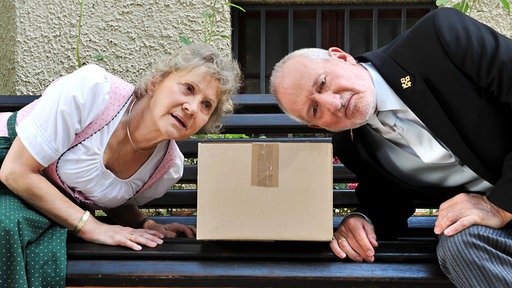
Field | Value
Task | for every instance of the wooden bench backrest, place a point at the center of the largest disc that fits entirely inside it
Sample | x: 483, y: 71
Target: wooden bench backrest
x: 259, y: 118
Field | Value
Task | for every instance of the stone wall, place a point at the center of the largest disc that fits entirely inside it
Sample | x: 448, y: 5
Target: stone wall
x: 38, y: 38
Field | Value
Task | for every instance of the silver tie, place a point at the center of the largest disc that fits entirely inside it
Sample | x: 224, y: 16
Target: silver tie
x: 416, y: 137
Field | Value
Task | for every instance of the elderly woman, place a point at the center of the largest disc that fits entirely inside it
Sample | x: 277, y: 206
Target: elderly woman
x: 93, y: 141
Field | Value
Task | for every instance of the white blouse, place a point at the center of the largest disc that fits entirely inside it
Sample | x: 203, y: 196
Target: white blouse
x: 66, y: 107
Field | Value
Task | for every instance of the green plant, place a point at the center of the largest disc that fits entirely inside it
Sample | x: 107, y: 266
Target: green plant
x: 210, y: 22
x: 467, y: 6
x: 79, y: 40
x: 218, y: 136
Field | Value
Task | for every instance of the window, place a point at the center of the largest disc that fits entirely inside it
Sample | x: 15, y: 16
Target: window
x: 265, y: 33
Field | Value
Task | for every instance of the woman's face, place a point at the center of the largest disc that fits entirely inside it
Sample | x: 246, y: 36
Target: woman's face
x: 183, y: 102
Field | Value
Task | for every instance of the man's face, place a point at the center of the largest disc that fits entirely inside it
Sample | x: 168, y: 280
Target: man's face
x: 335, y: 94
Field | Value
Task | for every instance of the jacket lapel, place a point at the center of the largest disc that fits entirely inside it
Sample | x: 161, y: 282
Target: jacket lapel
x: 414, y: 92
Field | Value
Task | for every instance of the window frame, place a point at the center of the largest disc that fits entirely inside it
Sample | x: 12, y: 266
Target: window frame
x: 319, y: 9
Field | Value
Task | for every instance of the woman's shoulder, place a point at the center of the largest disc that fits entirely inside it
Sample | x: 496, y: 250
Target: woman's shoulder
x: 92, y: 73
x: 92, y: 68
x: 85, y: 82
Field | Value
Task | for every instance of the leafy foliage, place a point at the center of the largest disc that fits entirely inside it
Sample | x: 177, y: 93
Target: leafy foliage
x: 79, y: 61
x: 210, y: 22
x: 467, y: 6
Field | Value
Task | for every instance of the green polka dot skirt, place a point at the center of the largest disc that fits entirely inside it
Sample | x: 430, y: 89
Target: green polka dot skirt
x: 32, y: 248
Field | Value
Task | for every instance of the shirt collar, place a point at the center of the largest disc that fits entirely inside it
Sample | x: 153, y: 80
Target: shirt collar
x: 385, y: 96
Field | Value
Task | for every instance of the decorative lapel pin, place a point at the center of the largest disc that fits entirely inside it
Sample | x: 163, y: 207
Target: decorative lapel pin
x: 406, y: 82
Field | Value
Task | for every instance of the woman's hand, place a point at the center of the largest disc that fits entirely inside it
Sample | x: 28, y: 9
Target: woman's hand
x: 173, y: 230
x: 116, y: 235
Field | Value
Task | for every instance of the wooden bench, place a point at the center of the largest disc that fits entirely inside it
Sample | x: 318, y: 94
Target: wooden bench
x: 408, y: 261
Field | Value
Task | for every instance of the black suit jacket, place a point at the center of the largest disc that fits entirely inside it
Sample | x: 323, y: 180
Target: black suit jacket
x: 455, y: 74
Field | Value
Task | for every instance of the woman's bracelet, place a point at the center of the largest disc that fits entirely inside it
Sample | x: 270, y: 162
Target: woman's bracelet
x: 81, y: 223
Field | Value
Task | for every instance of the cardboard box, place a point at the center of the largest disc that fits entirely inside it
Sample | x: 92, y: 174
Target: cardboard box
x: 265, y: 191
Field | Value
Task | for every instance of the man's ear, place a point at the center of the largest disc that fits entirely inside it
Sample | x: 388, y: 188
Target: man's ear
x: 337, y: 53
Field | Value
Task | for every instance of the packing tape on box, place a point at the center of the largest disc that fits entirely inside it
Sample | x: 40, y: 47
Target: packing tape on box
x: 265, y: 165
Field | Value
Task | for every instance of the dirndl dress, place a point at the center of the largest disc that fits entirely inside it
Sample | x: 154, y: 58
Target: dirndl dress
x: 32, y: 247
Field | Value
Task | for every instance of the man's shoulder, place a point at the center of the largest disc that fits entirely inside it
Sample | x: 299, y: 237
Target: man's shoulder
x: 448, y: 18
x: 447, y: 26
x: 445, y: 13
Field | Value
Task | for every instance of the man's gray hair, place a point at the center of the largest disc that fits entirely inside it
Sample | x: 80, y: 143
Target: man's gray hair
x: 311, y: 53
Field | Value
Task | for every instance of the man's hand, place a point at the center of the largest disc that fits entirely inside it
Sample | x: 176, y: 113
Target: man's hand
x: 465, y: 210
x: 356, y: 239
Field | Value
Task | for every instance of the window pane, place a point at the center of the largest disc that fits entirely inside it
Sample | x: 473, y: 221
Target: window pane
x: 413, y: 15
x: 249, y: 50
x: 332, y: 28
x: 389, y: 26
x: 276, y: 39
x: 360, y: 31
x: 304, y: 29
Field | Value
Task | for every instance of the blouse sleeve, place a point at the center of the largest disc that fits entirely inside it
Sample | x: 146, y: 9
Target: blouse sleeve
x: 65, y: 108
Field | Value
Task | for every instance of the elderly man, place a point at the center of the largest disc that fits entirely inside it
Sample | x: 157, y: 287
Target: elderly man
x: 427, y: 116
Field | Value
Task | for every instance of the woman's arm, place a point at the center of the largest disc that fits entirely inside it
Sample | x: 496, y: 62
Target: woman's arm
x: 130, y: 215
x: 21, y: 173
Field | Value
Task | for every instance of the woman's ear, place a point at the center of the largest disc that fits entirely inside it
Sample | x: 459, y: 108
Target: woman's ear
x: 152, y: 85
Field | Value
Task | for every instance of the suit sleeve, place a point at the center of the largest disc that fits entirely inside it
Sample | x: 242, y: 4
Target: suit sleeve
x: 386, y: 204
x: 485, y: 56
x: 483, y: 53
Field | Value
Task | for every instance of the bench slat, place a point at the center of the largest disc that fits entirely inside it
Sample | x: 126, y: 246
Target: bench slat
x: 187, y: 198
x: 341, y: 174
x: 264, y: 124
x: 189, y: 147
x: 255, y: 100
x: 221, y: 273
x: 188, y: 249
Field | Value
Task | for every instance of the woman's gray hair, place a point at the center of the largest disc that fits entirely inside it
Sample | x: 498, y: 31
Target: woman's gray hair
x: 225, y: 69
x: 310, y: 53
